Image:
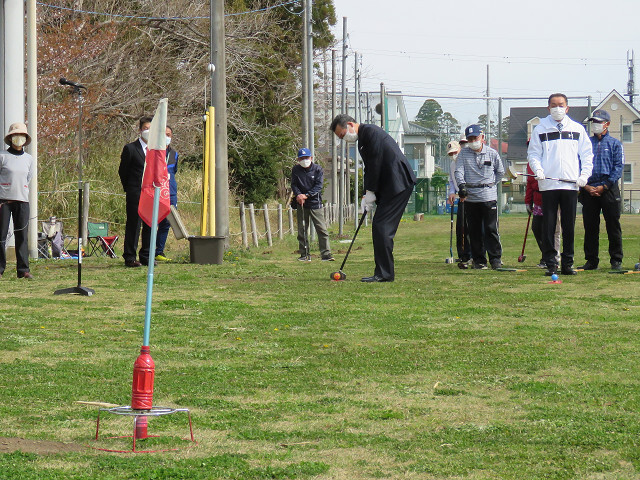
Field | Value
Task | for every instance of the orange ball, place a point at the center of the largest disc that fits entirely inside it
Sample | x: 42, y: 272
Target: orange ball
x: 336, y: 276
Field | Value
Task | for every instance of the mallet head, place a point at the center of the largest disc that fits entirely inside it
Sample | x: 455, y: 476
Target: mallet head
x: 449, y: 260
x: 522, y: 258
x: 338, y: 276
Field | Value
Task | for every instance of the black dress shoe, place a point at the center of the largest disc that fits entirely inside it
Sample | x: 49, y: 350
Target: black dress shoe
x: 552, y: 270
x: 568, y: 271
x: 132, y: 263
x: 616, y: 265
x: 374, y: 278
x: 589, y: 266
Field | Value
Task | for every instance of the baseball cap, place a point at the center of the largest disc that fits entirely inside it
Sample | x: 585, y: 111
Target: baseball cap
x: 453, y: 146
x: 473, y: 130
x: 304, y: 152
x: 600, y: 116
x: 462, y: 140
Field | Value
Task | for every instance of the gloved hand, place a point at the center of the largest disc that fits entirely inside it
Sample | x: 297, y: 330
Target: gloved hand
x: 529, y: 208
x: 368, y: 201
x: 462, y: 190
x: 582, y: 181
x: 540, y: 174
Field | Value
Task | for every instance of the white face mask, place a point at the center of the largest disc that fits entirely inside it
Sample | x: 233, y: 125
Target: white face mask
x: 168, y: 141
x: 145, y: 136
x: 558, y: 113
x: 454, y: 157
x: 306, y: 163
x: 597, y: 128
x: 351, y: 135
x: 477, y: 145
x: 18, y: 140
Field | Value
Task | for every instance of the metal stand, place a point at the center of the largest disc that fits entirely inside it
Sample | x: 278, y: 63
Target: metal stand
x: 79, y: 289
x: 153, y: 412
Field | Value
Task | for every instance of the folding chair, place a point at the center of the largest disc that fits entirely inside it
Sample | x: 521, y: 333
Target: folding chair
x: 52, y: 242
x: 99, y: 240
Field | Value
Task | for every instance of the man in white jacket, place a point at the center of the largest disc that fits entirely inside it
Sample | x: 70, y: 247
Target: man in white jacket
x: 561, y: 156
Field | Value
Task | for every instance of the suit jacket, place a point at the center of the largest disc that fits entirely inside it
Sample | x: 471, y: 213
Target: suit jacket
x: 386, y: 170
x: 131, y: 166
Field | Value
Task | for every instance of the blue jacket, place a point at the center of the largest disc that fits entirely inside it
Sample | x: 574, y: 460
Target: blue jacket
x: 309, y: 182
x: 608, y: 160
x: 172, y: 167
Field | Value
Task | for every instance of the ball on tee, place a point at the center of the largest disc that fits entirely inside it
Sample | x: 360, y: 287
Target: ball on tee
x: 554, y: 277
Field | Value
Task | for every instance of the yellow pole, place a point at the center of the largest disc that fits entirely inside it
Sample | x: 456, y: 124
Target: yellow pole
x: 212, y: 171
x: 205, y: 177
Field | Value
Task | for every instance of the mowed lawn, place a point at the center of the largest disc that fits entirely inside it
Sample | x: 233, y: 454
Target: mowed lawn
x: 443, y: 374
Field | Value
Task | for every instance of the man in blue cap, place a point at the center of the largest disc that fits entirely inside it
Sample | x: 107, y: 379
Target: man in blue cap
x: 306, y: 184
x: 602, y: 194
x: 478, y: 171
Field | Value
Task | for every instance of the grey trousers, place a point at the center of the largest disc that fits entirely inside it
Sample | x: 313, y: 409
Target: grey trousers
x: 317, y: 217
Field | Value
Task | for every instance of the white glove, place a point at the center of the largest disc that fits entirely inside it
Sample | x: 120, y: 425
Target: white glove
x: 368, y: 201
x: 582, y: 181
x: 540, y: 174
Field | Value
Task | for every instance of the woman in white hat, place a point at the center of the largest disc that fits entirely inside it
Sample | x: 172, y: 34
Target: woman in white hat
x: 16, y: 170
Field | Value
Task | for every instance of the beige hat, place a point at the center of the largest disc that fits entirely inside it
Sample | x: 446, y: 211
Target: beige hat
x: 17, y: 129
x: 453, y: 147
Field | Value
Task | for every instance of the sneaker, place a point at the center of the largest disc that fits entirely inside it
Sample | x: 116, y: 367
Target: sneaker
x: 304, y: 258
x: 589, y: 266
x: 328, y: 258
x: 479, y: 266
x: 496, y: 264
x: 568, y: 270
x: 616, y: 265
x: 162, y: 258
x: 541, y: 265
x: 551, y: 270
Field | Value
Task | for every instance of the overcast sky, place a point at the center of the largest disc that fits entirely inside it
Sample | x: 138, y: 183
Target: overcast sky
x: 441, y: 48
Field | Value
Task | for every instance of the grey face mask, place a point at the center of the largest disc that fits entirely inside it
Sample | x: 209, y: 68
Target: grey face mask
x: 351, y: 135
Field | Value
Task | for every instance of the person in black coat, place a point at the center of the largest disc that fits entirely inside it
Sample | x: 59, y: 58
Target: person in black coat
x: 388, y: 182
x: 131, y: 170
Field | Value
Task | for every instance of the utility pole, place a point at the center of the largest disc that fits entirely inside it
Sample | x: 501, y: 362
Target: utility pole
x: 356, y: 115
x: 343, y: 144
x: 219, y: 102
x: 305, y: 76
x: 631, y: 83
x: 310, y: 76
x: 499, y: 181
x: 382, y: 110
x: 334, y: 145
x: 32, y: 116
x: 488, y: 121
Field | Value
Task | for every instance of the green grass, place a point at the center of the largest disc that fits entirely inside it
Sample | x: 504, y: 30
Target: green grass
x: 442, y: 374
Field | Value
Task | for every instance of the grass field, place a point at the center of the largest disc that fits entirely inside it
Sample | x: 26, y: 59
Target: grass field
x: 443, y: 374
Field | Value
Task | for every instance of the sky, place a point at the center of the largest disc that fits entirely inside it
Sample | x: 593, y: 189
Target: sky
x: 436, y: 48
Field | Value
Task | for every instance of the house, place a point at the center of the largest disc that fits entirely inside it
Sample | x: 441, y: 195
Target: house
x: 625, y: 125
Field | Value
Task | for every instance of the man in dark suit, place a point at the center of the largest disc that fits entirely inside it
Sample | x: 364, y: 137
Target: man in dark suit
x: 131, y: 171
x: 388, y: 181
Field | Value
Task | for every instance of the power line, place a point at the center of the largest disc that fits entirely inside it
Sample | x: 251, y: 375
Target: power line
x: 136, y: 17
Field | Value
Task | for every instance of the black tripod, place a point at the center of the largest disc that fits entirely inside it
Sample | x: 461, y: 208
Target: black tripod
x: 79, y: 289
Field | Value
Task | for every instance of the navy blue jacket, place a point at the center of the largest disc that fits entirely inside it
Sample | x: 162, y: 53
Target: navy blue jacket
x: 307, y: 181
x: 608, y: 160
x: 386, y: 170
x: 172, y: 167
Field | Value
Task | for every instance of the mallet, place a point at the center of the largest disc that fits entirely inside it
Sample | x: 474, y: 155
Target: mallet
x: 522, y: 256
x: 512, y: 174
x: 340, y: 275
x: 450, y: 259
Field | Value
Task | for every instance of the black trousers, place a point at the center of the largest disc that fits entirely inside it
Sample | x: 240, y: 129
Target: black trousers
x: 567, y: 200
x: 482, y: 219
x: 609, y: 204
x: 536, y: 228
x: 383, y: 229
x: 132, y: 230
x: 20, y: 213
x: 463, y: 244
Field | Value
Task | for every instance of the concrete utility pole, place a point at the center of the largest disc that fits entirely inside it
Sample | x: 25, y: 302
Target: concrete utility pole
x: 631, y: 90
x: 343, y: 144
x: 488, y: 120
x: 310, y: 76
x: 334, y: 144
x: 305, y: 76
x: 356, y: 115
x: 32, y: 116
x: 383, y: 119
x: 219, y: 102
x: 500, y: 153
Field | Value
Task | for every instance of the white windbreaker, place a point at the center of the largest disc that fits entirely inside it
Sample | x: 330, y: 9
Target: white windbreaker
x: 566, y: 157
